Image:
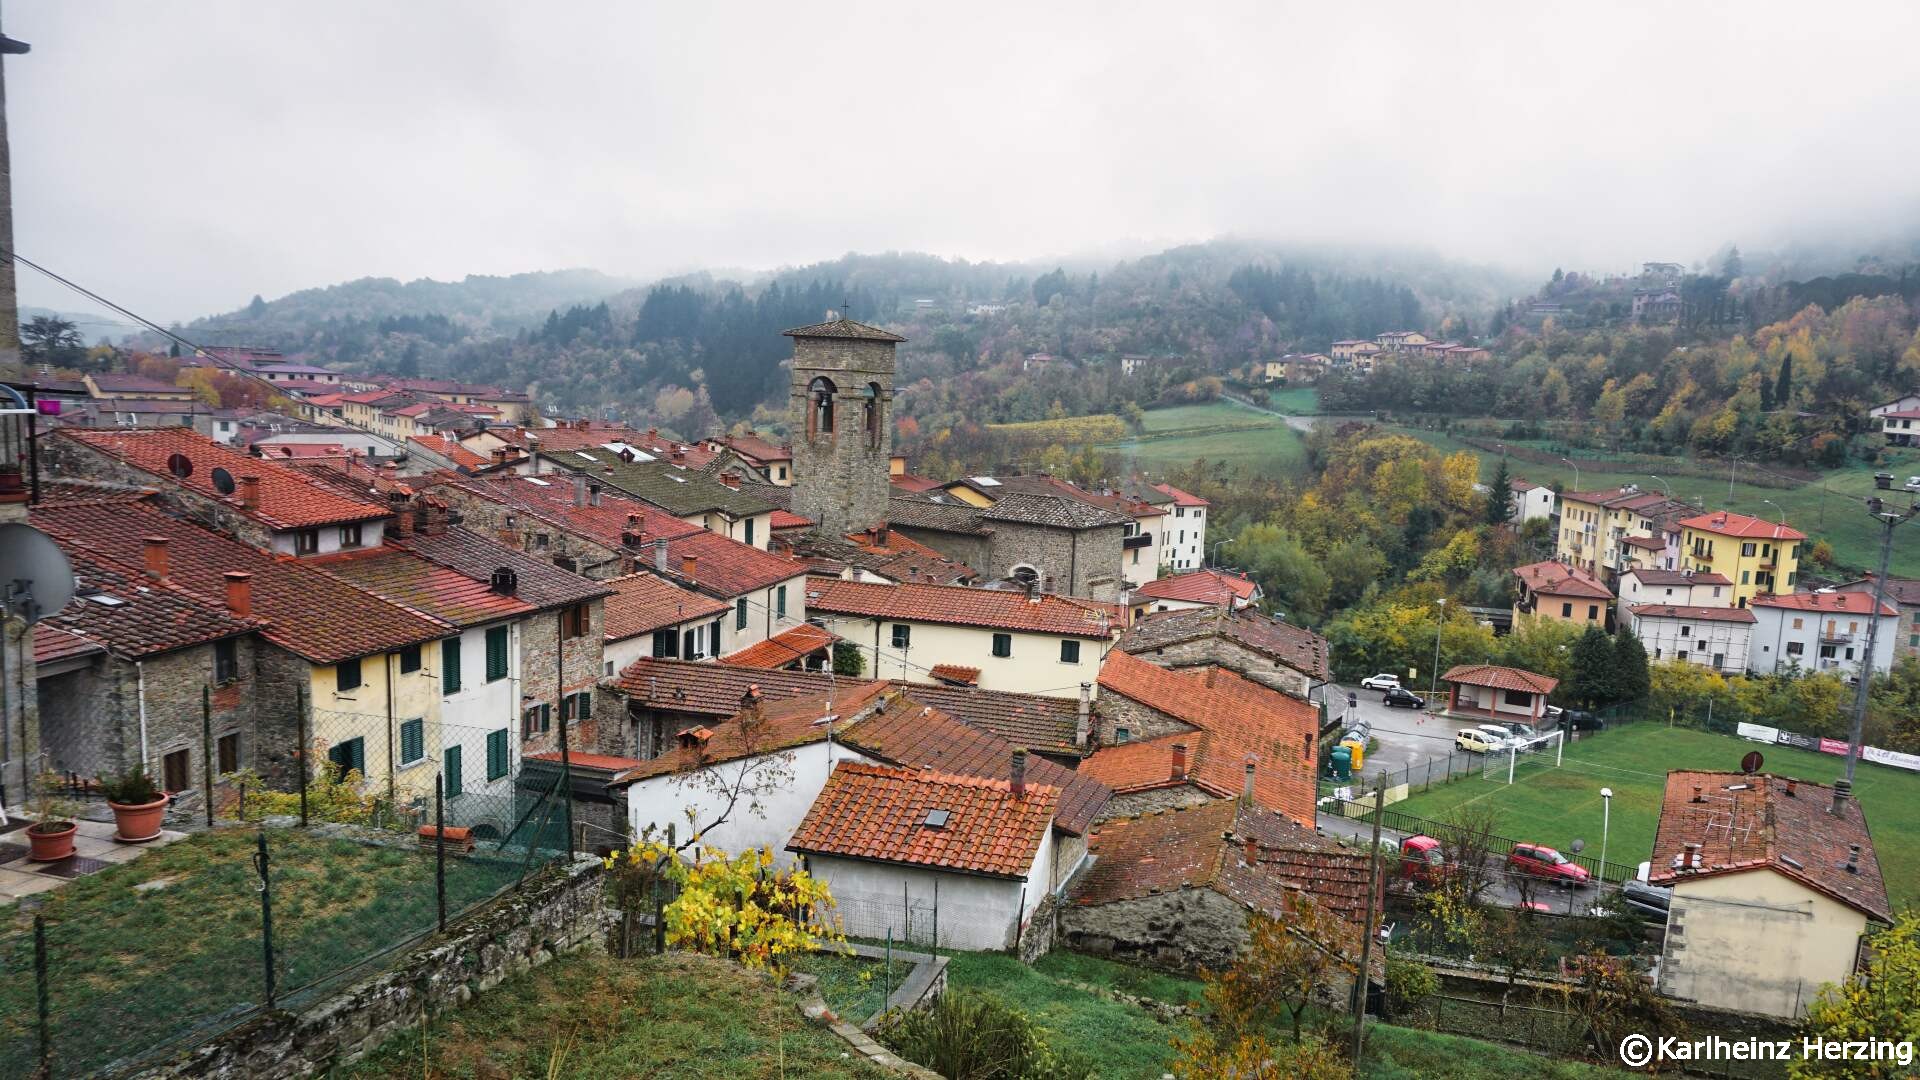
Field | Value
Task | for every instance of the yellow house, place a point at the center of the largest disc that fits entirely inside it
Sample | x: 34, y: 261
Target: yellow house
x: 1593, y: 525
x: 1773, y: 890
x: 1757, y: 556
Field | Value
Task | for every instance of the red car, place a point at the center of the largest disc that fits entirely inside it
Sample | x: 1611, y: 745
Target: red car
x: 1422, y: 861
x: 1544, y: 862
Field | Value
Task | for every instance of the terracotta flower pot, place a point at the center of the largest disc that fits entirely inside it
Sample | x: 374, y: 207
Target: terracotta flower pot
x: 138, y: 822
x: 54, y: 845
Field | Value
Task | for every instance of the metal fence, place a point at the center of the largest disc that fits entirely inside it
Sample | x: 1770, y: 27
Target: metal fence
x: 1500, y: 846
x: 1456, y: 764
x: 922, y: 921
x: 122, y: 966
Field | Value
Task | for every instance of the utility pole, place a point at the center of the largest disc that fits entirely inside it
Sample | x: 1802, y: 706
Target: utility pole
x: 1366, y: 929
x: 1889, y: 520
x: 9, y: 294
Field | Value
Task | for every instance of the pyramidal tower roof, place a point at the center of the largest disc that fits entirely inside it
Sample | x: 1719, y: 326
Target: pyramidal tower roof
x: 842, y: 328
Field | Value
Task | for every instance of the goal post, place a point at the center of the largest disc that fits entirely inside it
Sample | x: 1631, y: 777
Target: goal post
x: 1520, y: 756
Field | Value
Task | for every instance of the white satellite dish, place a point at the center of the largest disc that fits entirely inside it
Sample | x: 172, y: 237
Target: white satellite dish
x: 35, y: 575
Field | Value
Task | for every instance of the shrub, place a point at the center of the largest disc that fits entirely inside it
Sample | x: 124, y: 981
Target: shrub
x: 1408, y: 984
x: 971, y: 1035
x: 737, y: 906
x: 131, y: 788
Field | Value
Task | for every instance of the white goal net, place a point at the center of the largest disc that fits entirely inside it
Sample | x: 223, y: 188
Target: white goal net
x: 1521, y: 755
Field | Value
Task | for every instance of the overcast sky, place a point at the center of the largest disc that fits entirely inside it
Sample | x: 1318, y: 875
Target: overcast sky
x: 182, y: 156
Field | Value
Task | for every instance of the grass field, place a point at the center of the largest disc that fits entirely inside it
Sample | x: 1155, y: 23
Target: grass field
x: 1216, y: 431
x: 1555, y: 806
x: 1294, y: 401
x: 1832, y: 507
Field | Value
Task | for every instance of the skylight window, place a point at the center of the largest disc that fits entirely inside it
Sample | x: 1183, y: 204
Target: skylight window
x: 106, y: 601
x: 984, y: 481
x: 584, y: 454
x: 937, y: 819
x: 536, y: 480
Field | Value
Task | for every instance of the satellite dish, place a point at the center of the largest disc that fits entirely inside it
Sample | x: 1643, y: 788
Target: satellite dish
x: 180, y: 465
x: 1751, y: 763
x: 1577, y: 846
x: 38, y: 578
x: 222, y: 481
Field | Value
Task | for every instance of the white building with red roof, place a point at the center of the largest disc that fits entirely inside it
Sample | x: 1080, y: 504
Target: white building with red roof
x: 1184, y: 545
x: 1820, y: 631
x: 1199, y: 589
x: 1717, y: 638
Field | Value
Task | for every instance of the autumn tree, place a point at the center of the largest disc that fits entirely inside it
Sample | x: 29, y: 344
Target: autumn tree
x: 1879, y: 1001
x: 1613, y: 999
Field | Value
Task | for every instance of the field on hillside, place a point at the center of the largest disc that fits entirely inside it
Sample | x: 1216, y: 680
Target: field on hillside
x: 1832, y: 507
x: 1556, y: 806
x: 1217, y: 431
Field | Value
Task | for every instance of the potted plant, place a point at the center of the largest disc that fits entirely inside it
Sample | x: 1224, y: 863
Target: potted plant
x: 50, y: 837
x: 138, y: 806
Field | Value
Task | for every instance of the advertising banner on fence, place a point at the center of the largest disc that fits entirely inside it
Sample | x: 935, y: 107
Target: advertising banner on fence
x: 1833, y: 746
x: 1759, y: 734
x: 1891, y: 757
x: 1799, y: 741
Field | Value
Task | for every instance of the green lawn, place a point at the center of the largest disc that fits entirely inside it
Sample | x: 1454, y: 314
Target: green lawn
x: 1832, y: 507
x: 1216, y: 431
x: 1556, y: 806
x: 852, y: 986
x: 1294, y: 400
x: 588, y: 1016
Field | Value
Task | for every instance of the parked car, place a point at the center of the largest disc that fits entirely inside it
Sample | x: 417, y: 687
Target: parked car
x: 1545, y: 862
x: 1650, y: 902
x: 1521, y: 731
x: 1500, y: 735
x: 1476, y: 741
x: 1422, y: 861
x: 1380, y: 682
x: 1580, y: 720
x: 1400, y: 698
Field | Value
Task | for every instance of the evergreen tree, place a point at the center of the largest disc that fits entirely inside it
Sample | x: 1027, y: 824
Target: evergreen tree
x: 257, y: 308
x: 1500, y: 497
x: 1766, y: 396
x: 1731, y: 266
x: 1635, y: 680
x: 1593, y: 670
x: 1783, y: 390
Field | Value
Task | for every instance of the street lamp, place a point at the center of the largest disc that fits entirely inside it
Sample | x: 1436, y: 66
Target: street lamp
x: 1217, y: 545
x: 1664, y: 486
x: 1433, y: 688
x: 1776, y: 506
x: 1606, y: 819
x: 1576, y: 473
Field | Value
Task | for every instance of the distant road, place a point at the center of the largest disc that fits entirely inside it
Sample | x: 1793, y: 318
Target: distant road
x: 1298, y: 423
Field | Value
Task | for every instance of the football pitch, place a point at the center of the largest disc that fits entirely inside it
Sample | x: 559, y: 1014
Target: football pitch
x: 1555, y: 806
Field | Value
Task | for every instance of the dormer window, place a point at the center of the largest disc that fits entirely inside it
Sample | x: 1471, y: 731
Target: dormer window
x: 306, y: 542
x: 350, y: 535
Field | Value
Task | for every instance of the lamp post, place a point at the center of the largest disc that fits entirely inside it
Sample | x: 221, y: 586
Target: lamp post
x: 1217, y: 545
x: 1889, y: 520
x: 1576, y: 473
x: 1433, y: 688
x: 1776, y: 506
x: 1606, y: 820
x: 1664, y: 486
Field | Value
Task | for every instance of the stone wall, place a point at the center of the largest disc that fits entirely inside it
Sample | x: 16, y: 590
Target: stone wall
x: 1135, y: 803
x: 840, y: 477
x: 1181, y: 931
x: 558, y: 912
x: 975, y: 551
x: 534, y: 536
x: 1077, y: 562
x: 1235, y: 657
x: 550, y: 667
x: 1037, y: 938
x: 1142, y: 722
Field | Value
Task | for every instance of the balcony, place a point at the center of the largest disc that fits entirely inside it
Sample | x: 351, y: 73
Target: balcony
x: 1132, y: 543
x: 1835, y: 637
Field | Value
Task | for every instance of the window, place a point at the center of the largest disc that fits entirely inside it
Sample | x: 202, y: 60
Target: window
x: 574, y: 621
x: 1681, y: 655
x: 1518, y: 697
x: 870, y: 414
x: 564, y: 563
x: 450, y: 770
x: 1003, y: 645
x: 175, y: 772
x: 1719, y: 660
x: 902, y: 636
x: 450, y: 666
x: 496, y: 754
x: 740, y: 614
x: 749, y: 532
x: 413, y: 741
x: 1069, y: 652
x: 714, y: 636
x: 1746, y: 550
x: 1686, y: 631
x: 666, y: 644
x: 1796, y: 648
x: 1798, y: 623
x: 409, y: 659
x: 226, y: 662
x: 1745, y: 577
x: 1121, y: 734
x: 779, y: 597
x: 576, y: 707
x: 1566, y: 611
x: 306, y: 541
x: 227, y: 751
x: 820, y: 417
x: 496, y: 654
x: 1913, y: 641
x: 1593, y: 612
x: 350, y: 756
x: 783, y: 472
x: 536, y: 719
x: 350, y: 536
x: 691, y: 647
x: 346, y: 676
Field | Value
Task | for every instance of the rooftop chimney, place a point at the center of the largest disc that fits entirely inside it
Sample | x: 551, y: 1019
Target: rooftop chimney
x: 1083, y: 723
x: 1853, y: 859
x: 156, y: 557
x: 1793, y: 788
x: 1179, y: 761
x: 1691, y: 860
x: 1698, y: 793
x: 730, y: 479
x: 1246, y: 790
x: 690, y: 567
x: 250, y: 492
x: 579, y: 489
x: 239, y: 593
x: 660, y: 555
x: 1017, y: 781
x: 499, y: 455
x: 1842, y: 791
x: 1250, y: 850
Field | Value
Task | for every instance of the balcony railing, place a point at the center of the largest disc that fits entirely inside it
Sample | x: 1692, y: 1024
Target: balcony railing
x: 1835, y: 637
x: 1129, y: 543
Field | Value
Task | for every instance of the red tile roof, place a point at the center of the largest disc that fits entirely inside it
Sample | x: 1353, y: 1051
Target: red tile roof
x: 307, y: 612
x: 787, y: 519
x: 710, y: 689
x: 1699, y: 613
x: 880, y: 814
x: 754, y: 448
x: 150, y: 617
x: 550, y: 498
x: 1559, y: 579
x: 956, y: 605
x: 1850, y: 603
x: 51, y: 643
x: 1726, y: 523
x: 727, y: 567
x: 642, y: 603
x: 1294, y: 646
x: 1500, y: 678
x: 782, y: 724
x: 1677, y: 577
x: 956, y: 673
x: 911, y: 483
x: 276, y: 451
x: 607, y: 763
x: 540, y: 583
x: 1795, y: 835
x: 116, y: 383
x: 1199, y: 587
x: 783, y: 649
x: 287, y: 499
x: 1034, y: 721
x: 401, y: 577
x: 447, y: 448
x: 1180, y: 498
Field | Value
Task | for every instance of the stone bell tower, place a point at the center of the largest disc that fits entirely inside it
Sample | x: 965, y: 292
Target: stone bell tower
x: 842, y: 423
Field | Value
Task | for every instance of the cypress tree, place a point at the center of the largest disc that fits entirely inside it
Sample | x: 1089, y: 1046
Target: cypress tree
x: 1783, y: 390
x: 1634, y: 678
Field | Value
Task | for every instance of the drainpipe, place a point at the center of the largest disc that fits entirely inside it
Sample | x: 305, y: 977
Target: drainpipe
x: 386, y: 666
x: 140, y: 677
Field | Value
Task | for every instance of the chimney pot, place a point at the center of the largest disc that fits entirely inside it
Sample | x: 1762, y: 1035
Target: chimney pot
x: 1697, y: 793
x: 660, y: 555
x: 1251, y: 851
x: 1018, y: 779
x: 1179, y: 761
x: 250, y: 492
x: 239, y: 593
x: 1793, y: 788
x: 579, y: 490
x: 690, y: 567
x: 1853, y: 858
x: 1083, y: 723
x: 155, y: 551
x: 1246, y: 792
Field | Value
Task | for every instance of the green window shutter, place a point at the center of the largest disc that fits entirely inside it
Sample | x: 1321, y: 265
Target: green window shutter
x: 496, y: 754
x: 450, y: 666
x: 1003, y: 645
x: 496, y: 653
x: 450, y: 770
x: 740, y: 614
x: 413, y: 740
x: 780, y: 601
x: 749, y: 532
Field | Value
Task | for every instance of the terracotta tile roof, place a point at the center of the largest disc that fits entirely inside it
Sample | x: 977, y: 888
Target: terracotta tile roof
x: 307, y: 612
x: 550, y: 498
x: 726, y: 567
x: 402, y: 577
x: 1559, y: 579
x: 287, y: 499
x: 51, y: 643
x: 919, y: 513
x: 1903, y: 591
x: 787, y: 519
x: 1180, y: 498
x: 1850, y: 603
x: 540, y: 583
x: 1645, y: 543
x: 896, y: 557
x: 678, y: 490
x: 959, y: 674
x: 447, y: 448
x: 1699, y: 613
x: 1199, y: 587
x: 642, y: 603
x: 1499, y: 678
x: 1795, y: 835
x: 845, y: 329
x: 708, y: 689
x: 279, y: 451
x: 1726, y: 523
x: 881, y: 814
x: 782, y: 649
x: 911, y: 483
x: 1236, y: 718
x: 606, y: 763
x: 955, y: 605
x: 754, y: 448
x: 1676, y: 577
x: 1034, y: 721
x: 1901, y: 414
x: 1204, y: 847
x: 116, y: 383
x: 783, y: 724
x: 1052, y: 511
x: 1296, y: 647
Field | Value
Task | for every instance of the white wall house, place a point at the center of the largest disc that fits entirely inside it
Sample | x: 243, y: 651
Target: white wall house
x: 1143, y: 544
x: 762, y: 613
x: 662, y: 800
x: 1184, y: 543
x: 479, y: 707
x: 1531, y: 501
x: 1678, y: 588
x: 1820, y: 631
x: 1711, y: 637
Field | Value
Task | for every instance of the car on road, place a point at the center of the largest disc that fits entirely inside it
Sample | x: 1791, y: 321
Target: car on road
x: 1380, y: 682
x: 1501, y: 735
x: 1422, y: 861
x: 1521, y: 731
x: 1545, y: 862
x: 1476, y: 741
x: 1401, y: 698
x: 1650, y: 902
x: 1574, y: 719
